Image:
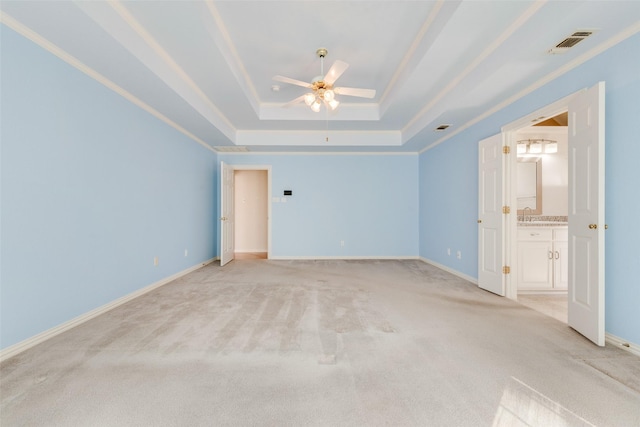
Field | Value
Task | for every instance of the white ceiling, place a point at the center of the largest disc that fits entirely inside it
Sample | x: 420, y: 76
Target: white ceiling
x: 207, y: 66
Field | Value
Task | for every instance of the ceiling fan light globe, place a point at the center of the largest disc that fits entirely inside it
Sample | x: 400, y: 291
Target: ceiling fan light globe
x: 309, y: 98
x: 334, y: 104
x: 329, y: 95
x: 316, y: 106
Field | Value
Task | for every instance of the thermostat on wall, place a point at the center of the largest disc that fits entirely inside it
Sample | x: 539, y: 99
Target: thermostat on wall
x: 288, y: 193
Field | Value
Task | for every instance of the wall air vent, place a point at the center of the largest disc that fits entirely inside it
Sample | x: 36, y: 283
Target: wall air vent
x: 230, y: 149
x: 571, y: 41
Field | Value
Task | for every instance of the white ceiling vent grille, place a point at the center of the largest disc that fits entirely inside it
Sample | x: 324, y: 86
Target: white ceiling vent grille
x: 230, y: 149
x: 571, y: 41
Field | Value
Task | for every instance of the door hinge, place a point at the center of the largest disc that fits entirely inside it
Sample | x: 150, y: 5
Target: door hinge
x: 506, y: 209
x: 506, y: 149
x: 506, y: 270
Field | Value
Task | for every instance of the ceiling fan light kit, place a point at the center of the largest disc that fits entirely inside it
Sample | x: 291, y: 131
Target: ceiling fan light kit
x: 322, y: 90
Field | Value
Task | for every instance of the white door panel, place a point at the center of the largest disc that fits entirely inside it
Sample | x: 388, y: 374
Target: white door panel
x: 490, y: 216
x: 227, y: 219
x: 586, y: 214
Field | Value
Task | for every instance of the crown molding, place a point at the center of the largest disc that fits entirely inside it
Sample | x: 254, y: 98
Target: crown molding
x: 36, y: 38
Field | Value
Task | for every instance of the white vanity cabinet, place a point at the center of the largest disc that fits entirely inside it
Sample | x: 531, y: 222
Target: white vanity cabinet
x: 561, y: 258
x: 542, y: 258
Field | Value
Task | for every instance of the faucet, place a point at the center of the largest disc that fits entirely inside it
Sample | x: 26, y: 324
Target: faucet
x: 524, y: 214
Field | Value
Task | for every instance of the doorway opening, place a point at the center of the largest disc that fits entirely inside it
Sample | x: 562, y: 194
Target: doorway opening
x: 245, y: 194
x: 542, y: 195
x: 251, y: 204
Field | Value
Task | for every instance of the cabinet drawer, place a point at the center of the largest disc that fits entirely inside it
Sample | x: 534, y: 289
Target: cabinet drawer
x: 530, y: 233
x: 561, y: 235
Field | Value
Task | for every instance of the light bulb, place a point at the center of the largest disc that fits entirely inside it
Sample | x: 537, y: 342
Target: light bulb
x: 329, y: 95
x: 334, y: 104
x: 309, y: 98
x: 535, y: 148
x: 315, y: 106
x: 551, y: 147
x: 522, y: 148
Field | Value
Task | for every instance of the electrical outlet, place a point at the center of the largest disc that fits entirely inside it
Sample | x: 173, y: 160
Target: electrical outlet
x: 459, y: 255
x: 448, y: 251
x: 155, y: 260
x: 341, y: 243
x: 186, y: 252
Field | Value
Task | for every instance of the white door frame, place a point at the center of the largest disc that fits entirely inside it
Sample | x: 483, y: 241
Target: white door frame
x: 511, y: 222
x: 268, y: 169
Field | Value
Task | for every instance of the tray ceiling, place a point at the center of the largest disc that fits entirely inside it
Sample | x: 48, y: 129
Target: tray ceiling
x: 206, y: 67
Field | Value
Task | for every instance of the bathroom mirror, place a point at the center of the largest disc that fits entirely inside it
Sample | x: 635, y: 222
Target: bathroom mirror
x: 529, y: 178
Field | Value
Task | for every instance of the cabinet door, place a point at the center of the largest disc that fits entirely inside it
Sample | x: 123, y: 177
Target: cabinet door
x: 561, y: 265
x: 535, y: 265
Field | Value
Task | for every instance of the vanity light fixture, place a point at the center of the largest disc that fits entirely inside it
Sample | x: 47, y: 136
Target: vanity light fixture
x: 522, y: 147
x: 537, y: 146
x: 551, y: 147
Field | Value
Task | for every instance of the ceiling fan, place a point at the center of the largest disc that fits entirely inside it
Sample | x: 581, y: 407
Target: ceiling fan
x: 322, y: 89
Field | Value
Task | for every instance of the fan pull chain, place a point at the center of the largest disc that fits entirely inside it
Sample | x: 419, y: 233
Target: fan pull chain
x: 326, y: 112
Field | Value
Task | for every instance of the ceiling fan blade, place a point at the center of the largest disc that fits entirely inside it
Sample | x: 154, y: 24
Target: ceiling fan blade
x: 292, y: 81
x: 335, y: 71
x: 354, y: 91
x: 293, y: 101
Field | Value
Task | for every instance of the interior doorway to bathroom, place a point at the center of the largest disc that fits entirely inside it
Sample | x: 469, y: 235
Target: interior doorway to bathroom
x: 541, y: 239
x: 585, y: 235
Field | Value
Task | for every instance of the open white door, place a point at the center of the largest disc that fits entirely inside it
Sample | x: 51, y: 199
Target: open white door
x: 227, y: 241
x: 490, y: 216
x: 586, y: 214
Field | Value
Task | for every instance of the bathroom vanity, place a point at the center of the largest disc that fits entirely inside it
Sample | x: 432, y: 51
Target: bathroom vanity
x: 543, y: 256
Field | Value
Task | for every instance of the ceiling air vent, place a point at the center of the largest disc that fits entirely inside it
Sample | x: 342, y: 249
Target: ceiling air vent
x: 230, y: 149
x: 441, y: 128
x: 571, y: 41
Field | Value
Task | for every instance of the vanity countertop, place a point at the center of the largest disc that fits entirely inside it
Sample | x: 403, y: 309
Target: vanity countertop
x: 542, y: 224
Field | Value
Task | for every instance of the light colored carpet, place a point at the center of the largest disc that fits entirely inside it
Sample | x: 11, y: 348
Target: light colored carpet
x: 554, y: 305
x: 299, y: 343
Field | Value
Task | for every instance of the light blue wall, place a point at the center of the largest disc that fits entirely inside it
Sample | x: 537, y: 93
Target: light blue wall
x: 448, y: 191
x: 93, y: 188
x: 369, y: 201
x: 448, y: 210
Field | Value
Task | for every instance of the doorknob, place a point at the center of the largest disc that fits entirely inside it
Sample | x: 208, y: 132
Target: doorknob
x: 593, y: 226
x: 224, y: 218
x: 479, y: 221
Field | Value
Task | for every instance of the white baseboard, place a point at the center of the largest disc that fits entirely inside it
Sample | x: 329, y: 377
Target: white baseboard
x: 622, y: 343
x: 450, y: 270
x: 339, y: 258
x: 56, y: 330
